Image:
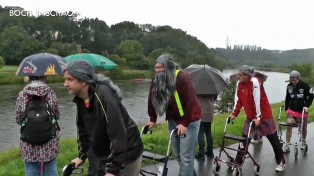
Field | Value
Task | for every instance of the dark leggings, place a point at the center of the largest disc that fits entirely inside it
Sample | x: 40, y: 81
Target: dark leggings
x: 275, y: 143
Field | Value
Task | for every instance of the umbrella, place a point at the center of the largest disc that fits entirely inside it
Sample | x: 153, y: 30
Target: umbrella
x: 206, y: 79
x: 41, y: 64
x: 99, y: 62
x: 258, y: 74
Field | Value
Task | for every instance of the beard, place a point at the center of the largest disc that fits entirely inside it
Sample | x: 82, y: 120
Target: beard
x: 162, y: 91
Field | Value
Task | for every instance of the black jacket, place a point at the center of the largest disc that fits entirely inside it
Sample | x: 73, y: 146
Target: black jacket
x: 112, y: 134
x: 298, y: 97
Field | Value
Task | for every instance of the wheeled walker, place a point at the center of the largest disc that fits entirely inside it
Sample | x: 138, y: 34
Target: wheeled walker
x: 163, y: 169
x: 230, y: 160
x: 300, y: 141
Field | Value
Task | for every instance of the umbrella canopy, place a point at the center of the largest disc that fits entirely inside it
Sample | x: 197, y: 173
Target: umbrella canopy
x: 258, y: 74
x: 99, y: 62
x: 41, y: 64
x: 206, y: 79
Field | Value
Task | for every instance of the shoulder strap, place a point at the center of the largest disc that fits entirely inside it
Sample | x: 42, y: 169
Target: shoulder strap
x: 176, y: 95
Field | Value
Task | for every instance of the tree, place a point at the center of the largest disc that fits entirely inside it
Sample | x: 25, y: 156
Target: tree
x: 16, y: 44
x: 133, y: 52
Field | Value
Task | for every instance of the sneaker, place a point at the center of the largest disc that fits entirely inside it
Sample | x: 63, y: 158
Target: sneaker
x: 286, y: 148
x: 281, y: 166
x: 200, y: 156
x: 303, y: 145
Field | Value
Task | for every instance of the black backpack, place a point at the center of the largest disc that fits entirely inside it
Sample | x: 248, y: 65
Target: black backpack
x: 38, y: 126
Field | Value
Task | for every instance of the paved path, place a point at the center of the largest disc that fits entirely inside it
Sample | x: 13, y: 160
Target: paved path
x: 262, y: 153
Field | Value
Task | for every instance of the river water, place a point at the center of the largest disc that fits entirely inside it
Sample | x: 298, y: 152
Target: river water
x: 134, y: 99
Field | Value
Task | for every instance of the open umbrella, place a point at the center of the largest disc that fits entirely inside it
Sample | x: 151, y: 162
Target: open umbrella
x: 99, y: 62
x: 258, y: 74
x: 206, y: 79
x: 41, y: 64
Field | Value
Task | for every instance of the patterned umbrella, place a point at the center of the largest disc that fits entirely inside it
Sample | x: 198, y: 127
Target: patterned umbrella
x: 41, y: 64
x: 99, y: 62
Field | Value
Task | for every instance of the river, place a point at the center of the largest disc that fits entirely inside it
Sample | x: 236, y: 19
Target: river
x: 134, y: 99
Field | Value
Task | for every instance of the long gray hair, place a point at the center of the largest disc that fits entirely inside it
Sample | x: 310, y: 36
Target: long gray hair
x: 164, y: 84
x: 84, y: 72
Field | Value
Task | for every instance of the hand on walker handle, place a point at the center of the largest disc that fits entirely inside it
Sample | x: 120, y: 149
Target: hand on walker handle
x: 257, y: 122
x: 150, y: 124
x: 306, y: 109
x: 77, y: 162
x: 232, y: 117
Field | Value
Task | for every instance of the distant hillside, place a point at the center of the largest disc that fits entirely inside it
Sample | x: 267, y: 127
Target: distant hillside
x: 258, y: 57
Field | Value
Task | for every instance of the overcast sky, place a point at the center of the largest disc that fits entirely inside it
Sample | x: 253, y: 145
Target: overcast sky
x: 271, y: 24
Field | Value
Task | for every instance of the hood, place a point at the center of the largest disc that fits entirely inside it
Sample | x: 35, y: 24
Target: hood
x: 38, y: 88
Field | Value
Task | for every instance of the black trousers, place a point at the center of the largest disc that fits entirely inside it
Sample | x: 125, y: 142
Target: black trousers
x: 97, y: 165
x: 275, y: 143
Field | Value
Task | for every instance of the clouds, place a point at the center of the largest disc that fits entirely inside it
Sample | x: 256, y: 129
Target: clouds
x: 279, y: 24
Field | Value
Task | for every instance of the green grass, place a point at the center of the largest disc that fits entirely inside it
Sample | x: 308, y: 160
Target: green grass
x: 12, y: 164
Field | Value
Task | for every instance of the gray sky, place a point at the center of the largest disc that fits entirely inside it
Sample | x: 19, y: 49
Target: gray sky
x: 271, y: 24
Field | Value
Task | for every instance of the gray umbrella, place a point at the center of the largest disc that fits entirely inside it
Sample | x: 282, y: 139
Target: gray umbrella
x: 206, y: 79
x: 258, y: 74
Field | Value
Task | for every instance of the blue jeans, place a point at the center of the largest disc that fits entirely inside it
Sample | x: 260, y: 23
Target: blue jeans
x: 205, y: 129
x: 184, y: 148
x: 33, y: 168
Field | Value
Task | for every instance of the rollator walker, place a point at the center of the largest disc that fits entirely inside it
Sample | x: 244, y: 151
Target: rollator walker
x: 230, y: 160
x: 163, y: 169
x: 298, y: 143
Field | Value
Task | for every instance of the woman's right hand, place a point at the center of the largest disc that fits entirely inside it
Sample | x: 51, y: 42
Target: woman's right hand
x: 77, y: 162
x: 150, y: 124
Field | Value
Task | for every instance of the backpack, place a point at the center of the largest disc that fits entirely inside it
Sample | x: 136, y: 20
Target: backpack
x: 38, y: 126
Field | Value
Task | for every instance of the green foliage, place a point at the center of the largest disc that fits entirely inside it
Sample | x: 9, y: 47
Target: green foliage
x: 2, y: 62
x: 306, y: 71
x: 226, y: 98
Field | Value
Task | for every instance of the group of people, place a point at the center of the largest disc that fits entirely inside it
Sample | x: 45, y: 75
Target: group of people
x: 110, y: 139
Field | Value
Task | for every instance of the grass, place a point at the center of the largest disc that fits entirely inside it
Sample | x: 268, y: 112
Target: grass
x: 12, y: 164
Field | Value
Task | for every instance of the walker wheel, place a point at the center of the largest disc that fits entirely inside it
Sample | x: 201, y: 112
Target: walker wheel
x: 236, y: 172
x: 305, y: 148
x: 231, y: 160
x: 296, y: 151
x: 217, y: 168
x: 257, y: 169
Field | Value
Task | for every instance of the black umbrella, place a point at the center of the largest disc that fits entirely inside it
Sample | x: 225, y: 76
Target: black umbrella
x: 41, y: 64
x: 206, y: 79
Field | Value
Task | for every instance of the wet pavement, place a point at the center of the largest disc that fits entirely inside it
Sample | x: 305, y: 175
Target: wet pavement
x: 264, y: 155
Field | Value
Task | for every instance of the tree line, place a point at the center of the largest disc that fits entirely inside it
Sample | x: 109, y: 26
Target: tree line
x: 130, y: 45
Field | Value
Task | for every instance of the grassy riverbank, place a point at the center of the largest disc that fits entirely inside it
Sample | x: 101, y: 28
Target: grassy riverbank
x: 11, y: 163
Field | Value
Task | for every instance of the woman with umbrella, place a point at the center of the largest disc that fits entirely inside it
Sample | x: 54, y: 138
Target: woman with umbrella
x: 39, y: 156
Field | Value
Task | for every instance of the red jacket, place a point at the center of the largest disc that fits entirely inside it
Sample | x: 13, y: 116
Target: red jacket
x: 252, y: 97
x: 188, y: 98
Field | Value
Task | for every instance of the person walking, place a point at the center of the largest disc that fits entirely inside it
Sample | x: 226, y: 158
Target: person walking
x: 172, y: 95
x: 207, y: 107
x: 299, y: 98
x: 40, y: 157
x: 104, y: 125
x: 252, y: 97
